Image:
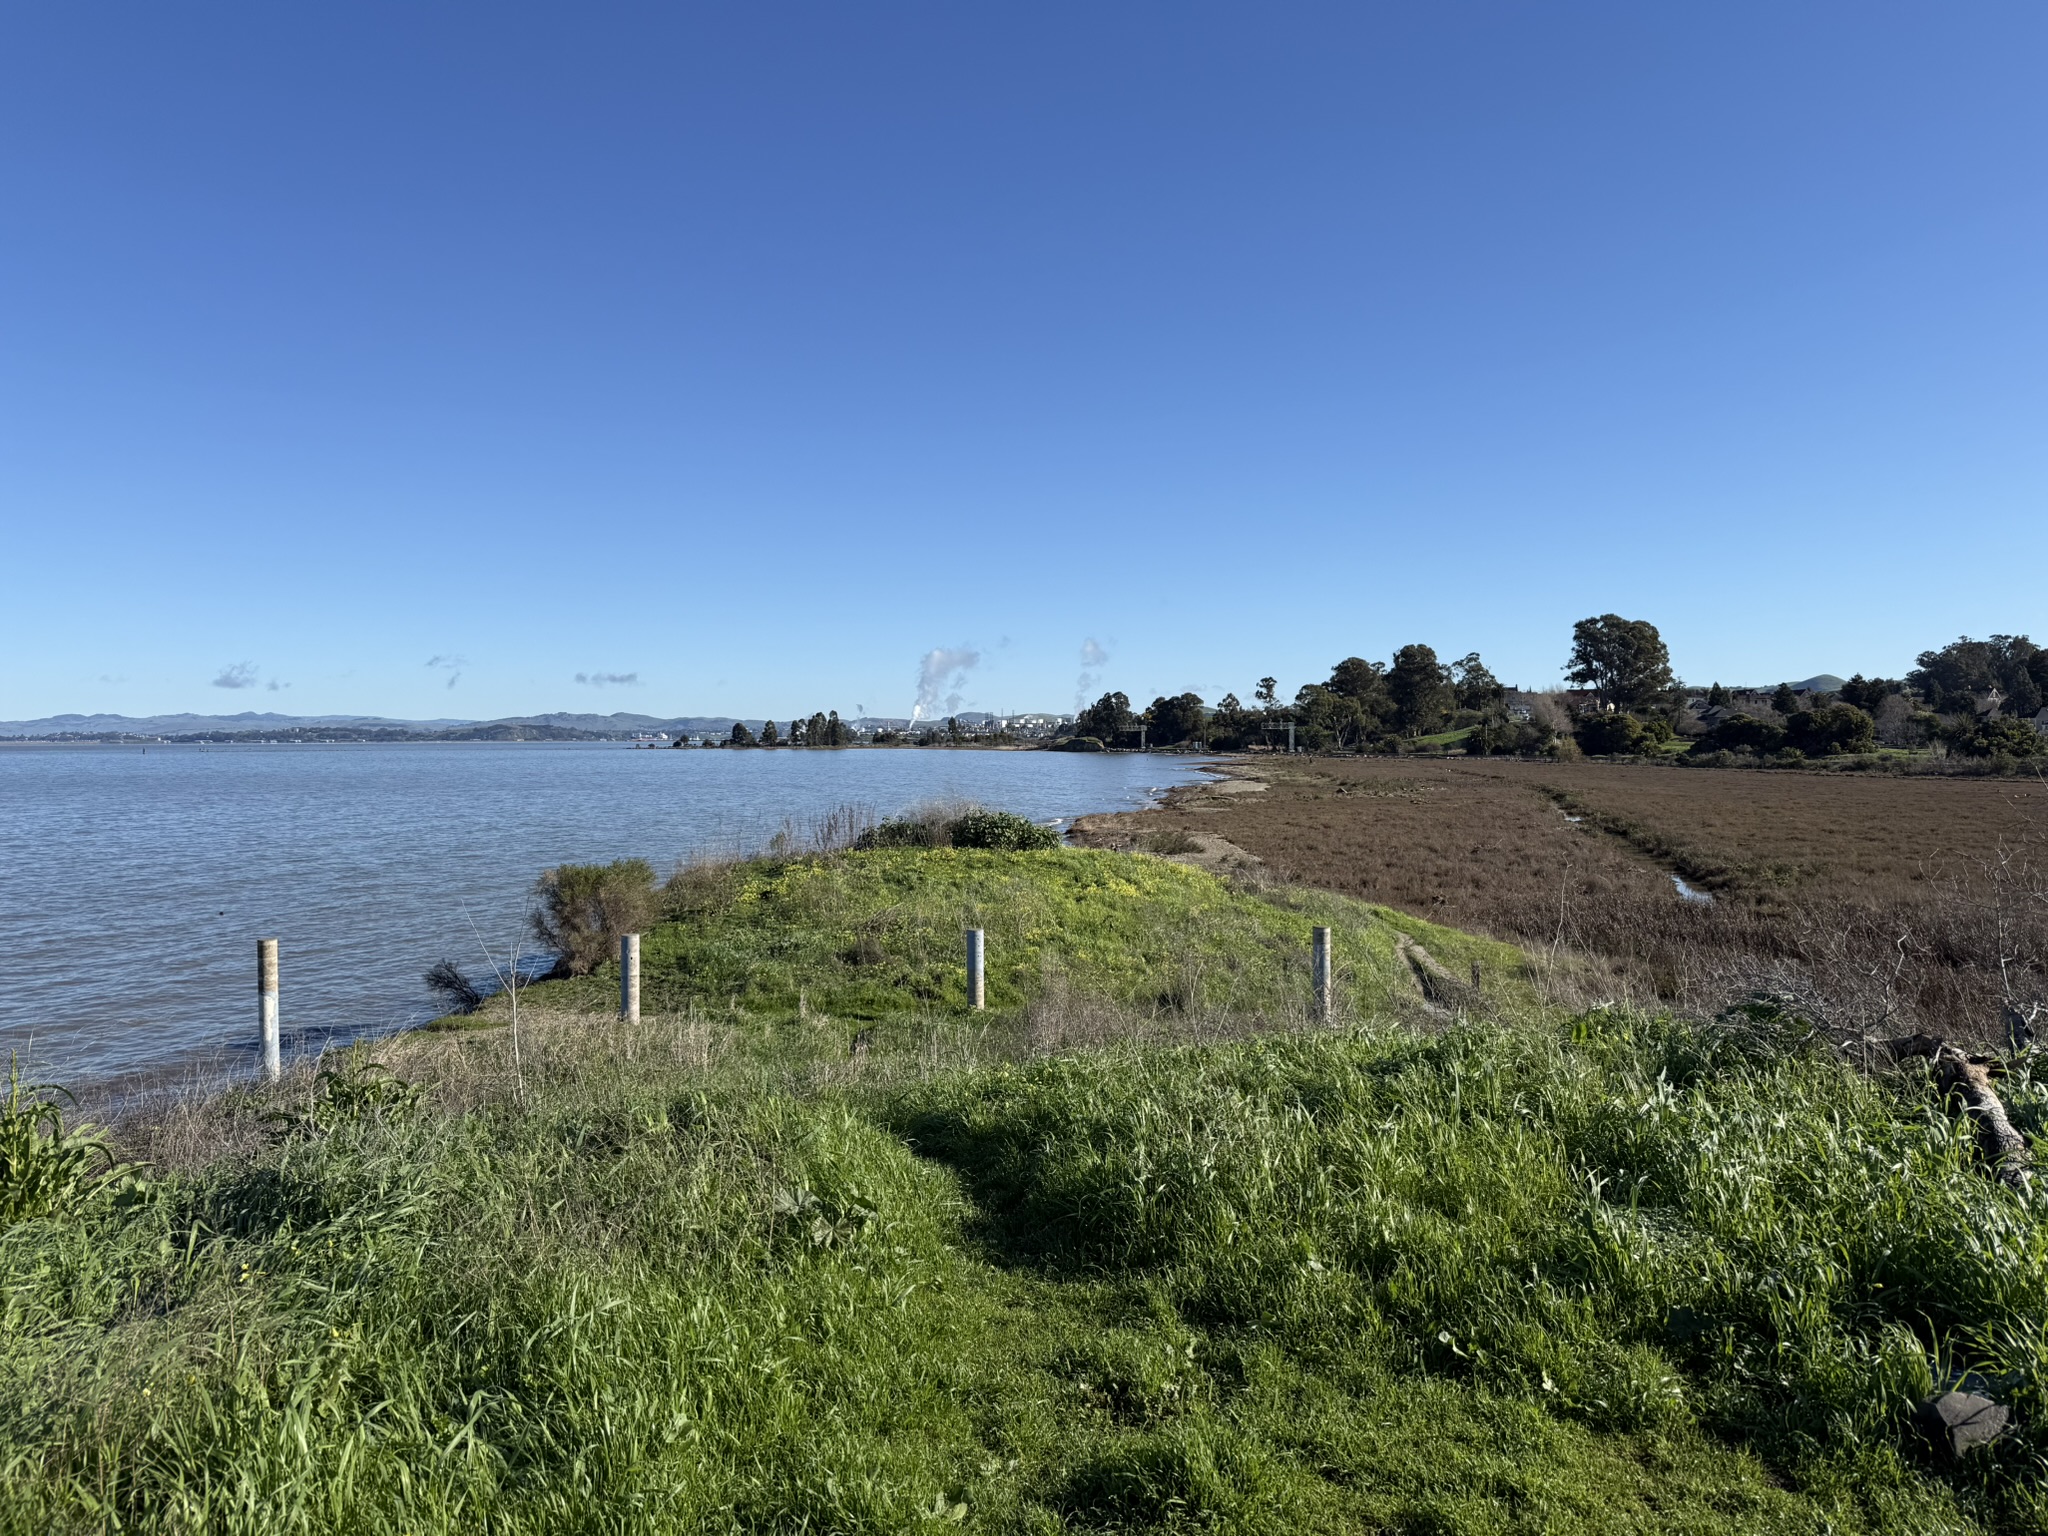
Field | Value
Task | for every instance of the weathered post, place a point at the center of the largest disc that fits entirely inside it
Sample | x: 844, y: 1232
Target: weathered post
x: 629, y: 977
x: 1475, y: 975
x: 1326, y: 991
x: 976, y: 987
x: 266, y: 1008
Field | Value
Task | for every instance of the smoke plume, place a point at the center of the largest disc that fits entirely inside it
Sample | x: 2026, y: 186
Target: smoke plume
x: 940, y: 677
x: 1093, y: 659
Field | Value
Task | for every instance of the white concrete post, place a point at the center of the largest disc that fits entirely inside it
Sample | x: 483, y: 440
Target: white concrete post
x: 629, y: 977
x: 266, y: 1008
x: 1326, y: 991
x: 976, y: 986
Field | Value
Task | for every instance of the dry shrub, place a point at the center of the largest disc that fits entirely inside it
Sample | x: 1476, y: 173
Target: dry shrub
x: 585, y: 908
x: 833, y: 831
x: 929, y: 824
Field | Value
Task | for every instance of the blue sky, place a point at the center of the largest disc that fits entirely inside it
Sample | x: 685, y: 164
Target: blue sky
x: 420, y: 360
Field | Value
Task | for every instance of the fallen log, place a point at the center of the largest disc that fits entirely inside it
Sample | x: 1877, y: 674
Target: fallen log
x: 1437, y: 985
x: 1969, y: 1079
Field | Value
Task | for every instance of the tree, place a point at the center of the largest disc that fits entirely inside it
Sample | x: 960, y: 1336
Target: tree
x: 1994, y: 736
x: 1356, y: 678
x: 1230, y: 725
x: 1498, y: 735
x: 796, y: 733
x: 1868, y: 693
x: 1420, y: 687
x: 1267, y: 693
x: 1831, y: 730
x: 1176, y: 719
x: 1476, y: 686
x: 1325, y: 718
x: 1717, y: 696
x: 770, y: 737
x: 834, y: 730
x: 1956, y: 676
x: 1742, y: 733
x: 1108, y: 719
x: 1614, y: 734
x: 1366, y: 682
x: 1785, y: 701
x: 741, y: 736
x: 1623, y: 661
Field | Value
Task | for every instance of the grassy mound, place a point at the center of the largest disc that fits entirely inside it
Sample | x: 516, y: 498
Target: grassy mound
x: 1611, y: 1273
x: 877, y: 935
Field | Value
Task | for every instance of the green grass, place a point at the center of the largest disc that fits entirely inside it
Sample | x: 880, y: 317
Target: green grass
x: 876, y: 936
x: 1609, y: 1273
x: 1441, y: 738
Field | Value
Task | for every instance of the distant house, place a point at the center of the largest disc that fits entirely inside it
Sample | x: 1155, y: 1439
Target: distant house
x: 1987, y: 703
x: 2041, y: 722
x: 1517, y: 704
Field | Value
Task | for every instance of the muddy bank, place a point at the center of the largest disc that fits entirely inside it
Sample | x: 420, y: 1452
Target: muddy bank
x: 1173, y: 828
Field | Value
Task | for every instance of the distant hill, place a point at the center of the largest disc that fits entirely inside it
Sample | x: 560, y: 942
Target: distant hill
x: 559, y: 726
x: 625, y: 724
x: 178, y: 725
x: 1825, y: 682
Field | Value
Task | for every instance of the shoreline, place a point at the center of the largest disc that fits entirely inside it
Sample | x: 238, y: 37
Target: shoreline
x: 343, y: 1001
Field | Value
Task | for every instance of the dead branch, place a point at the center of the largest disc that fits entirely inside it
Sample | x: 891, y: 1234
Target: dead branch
x: 1969, y: 1079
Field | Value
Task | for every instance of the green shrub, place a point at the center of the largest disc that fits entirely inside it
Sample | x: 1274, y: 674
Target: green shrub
x: 1611, y: 735
x: 1742, y: 733
x: 1002, y: 831
x: 585, y: 908
x: 1831, y: 731
x: 1497, y: 735
x: 941, y: 826
x: 1995, y: 736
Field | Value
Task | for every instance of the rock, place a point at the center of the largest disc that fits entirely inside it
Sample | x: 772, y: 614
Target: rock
x: 1956, y: 1421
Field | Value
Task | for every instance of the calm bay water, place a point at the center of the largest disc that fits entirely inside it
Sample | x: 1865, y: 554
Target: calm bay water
x: 134, y: 885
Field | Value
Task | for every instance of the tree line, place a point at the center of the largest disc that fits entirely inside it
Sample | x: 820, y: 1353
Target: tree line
x: 824, y: 729
x: 1362, y: 704
x: 1977, y: 697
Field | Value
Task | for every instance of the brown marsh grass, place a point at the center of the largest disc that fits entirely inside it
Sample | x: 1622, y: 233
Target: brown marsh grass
x: 1888, y: 903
